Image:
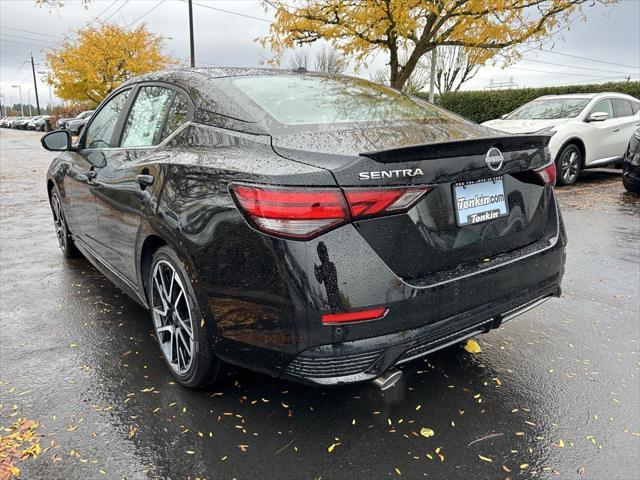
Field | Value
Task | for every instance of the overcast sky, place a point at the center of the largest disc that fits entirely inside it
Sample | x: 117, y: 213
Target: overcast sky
x: 610, y: 39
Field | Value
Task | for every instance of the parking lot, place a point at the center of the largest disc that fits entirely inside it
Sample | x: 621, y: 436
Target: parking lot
x: 553, y: 394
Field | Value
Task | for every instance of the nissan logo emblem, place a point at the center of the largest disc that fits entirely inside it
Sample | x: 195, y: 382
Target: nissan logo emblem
x: 494, y: 159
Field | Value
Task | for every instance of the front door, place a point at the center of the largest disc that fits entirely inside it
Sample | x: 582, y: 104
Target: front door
x: 94, y: 149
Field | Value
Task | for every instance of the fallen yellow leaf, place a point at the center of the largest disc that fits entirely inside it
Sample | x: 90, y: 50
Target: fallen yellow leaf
x: 332, y: 446
x: 426, y: 432
x: 484, y: 459
x: 472, y: 346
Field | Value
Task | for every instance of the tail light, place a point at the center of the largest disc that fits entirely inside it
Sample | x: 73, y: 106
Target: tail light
x: 547, y: 174
x: 303, y: 213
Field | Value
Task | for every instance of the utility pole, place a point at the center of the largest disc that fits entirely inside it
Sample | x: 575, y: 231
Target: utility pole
x: 432, y: 80
x: 191, y: 47
x: 35, y: 84
x: 21, y: 104
x: 29, y: 100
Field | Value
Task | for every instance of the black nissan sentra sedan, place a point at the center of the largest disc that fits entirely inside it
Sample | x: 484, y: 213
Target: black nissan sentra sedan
x: 319, y: 228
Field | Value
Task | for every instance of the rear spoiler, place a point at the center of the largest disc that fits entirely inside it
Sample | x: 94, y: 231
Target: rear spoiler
x: 459, y: 148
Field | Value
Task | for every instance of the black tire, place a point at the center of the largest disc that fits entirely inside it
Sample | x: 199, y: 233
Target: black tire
x: 630, y: 187
x: 65, y: 239
x: 568, y: 165
x: 204, y: 366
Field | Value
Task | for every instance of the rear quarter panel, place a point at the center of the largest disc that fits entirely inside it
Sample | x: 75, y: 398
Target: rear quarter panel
x: 250, y: 284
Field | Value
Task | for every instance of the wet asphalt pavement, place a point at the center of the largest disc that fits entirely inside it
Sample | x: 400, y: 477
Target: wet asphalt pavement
x: 554, y: 393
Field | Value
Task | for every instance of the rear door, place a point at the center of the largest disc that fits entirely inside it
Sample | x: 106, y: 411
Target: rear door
x: 628, y: 119
x: 130, y: 178
x: 602, y: 136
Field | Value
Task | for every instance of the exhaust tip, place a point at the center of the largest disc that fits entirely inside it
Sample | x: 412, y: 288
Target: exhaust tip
x: 388, y: 379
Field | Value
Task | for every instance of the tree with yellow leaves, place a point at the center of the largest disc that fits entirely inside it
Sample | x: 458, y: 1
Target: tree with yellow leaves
x: 412, y: 28
x: 88, y: 67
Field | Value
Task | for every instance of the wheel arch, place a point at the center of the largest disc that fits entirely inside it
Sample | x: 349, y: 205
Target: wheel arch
x: 578, y: 142
x: 149, y: 246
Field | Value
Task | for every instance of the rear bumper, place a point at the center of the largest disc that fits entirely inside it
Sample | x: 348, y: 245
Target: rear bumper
x: 366, y: 359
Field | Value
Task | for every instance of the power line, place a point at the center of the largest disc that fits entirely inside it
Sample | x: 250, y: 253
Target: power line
x: 571, y: 66
x: 102, y: 12
x: 548, y: 72
x: 18, y: 70
x: 231, y: 12
x: 21, y: 37
x: 114, y: 12
x: 590, y: 59
x: 30, y: 31
x: 146, y: 13
x: 17, y: 42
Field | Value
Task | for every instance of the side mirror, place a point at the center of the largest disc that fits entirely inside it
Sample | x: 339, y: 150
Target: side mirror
x: 597, y: 117
x: 57, y: 141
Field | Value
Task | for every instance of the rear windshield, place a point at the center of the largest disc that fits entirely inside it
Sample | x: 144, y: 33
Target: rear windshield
x: 550, y: 108
x: 304, y: 100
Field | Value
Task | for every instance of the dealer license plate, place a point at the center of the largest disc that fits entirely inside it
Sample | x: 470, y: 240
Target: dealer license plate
x: 479, y: 201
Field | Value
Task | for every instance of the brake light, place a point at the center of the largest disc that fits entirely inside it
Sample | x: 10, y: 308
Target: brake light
x: 358, y: 316
x: 547, y: 174
x: 290, y: 212
x: 365, y: 202
x: 303, y: 213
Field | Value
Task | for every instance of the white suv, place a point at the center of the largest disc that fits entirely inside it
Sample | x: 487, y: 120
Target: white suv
x: 588, y: 130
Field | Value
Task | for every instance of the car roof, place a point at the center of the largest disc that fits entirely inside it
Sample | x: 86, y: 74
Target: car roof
x: 587, y: 95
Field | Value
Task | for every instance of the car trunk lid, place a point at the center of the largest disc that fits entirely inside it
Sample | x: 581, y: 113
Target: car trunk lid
x: 433, y: 236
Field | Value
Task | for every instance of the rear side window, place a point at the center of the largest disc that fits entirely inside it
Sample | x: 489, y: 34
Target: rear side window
x: 622, y: 107
x: 603, y: 105
x: 635, y: 106
x: 146, y: 118
x: 177, y: 116
x: 101, y: 129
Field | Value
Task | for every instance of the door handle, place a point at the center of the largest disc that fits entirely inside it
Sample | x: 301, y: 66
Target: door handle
x: 145, y: 180
x: 616, y: 130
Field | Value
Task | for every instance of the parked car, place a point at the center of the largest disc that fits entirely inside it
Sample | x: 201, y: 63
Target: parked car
x: 319, y: 228
x: 631, y: 164
x: 6, y: 121
x: 16, y: 121
x: 43, y: 124
x: 31, y: 124
x: 62, y: 122
x: 587, y: 130
x: 75, y: 125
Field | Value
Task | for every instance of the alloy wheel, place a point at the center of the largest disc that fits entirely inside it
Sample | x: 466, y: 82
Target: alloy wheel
x: 569, y: 166
x: 58, y: 221
x: 172, y: 317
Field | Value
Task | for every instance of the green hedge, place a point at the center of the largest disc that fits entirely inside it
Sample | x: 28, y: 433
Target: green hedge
x: 483, y: 105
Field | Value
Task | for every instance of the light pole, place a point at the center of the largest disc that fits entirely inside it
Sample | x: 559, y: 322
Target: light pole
x: 20, y: 92
x: 44, y: 72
